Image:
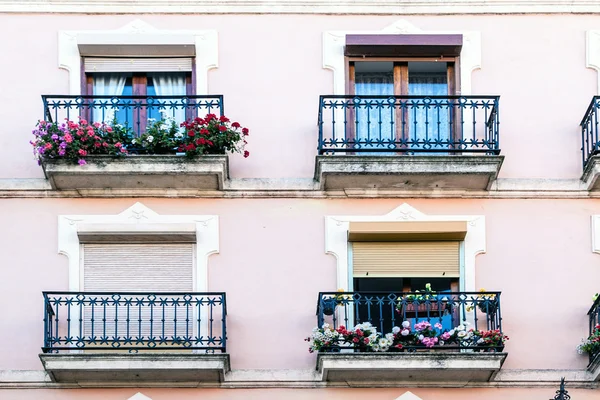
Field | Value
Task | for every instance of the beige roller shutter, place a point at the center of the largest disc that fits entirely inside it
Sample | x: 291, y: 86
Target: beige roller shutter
x: 137, y: 64
x: 406, y: 259
x: 148, y: 268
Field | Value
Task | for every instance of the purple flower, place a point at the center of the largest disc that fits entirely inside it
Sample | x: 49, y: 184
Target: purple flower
x: 54, y: 137
x: 63, y: 145
x: 61, y: 152
x: 81, y: 161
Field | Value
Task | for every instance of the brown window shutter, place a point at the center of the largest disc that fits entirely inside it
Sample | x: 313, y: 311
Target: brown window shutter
x: 431, y: 259
x: 125, y: 64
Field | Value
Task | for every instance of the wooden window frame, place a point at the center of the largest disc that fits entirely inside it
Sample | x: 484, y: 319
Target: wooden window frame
x: 140, y: 88
x: 401, y: 79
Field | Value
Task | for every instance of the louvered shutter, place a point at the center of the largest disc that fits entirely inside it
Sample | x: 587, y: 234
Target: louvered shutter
x: 148, y: 268
x: 406, y: 259
x: 137, y: 64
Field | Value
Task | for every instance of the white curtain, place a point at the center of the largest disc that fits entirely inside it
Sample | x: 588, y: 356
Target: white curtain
x: 428, y: 120
x: 107, y: 85
x: 374, y: 117
x: 170, y: 85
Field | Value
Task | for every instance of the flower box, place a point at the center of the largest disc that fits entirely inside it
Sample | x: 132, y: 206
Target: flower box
x: 148, y: 173
x: 422, y: 310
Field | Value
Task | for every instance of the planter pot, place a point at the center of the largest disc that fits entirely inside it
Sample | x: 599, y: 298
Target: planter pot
x: 329, y: 306
x: 149, y: 173
x: 489, y: 307
x: 433, y: 309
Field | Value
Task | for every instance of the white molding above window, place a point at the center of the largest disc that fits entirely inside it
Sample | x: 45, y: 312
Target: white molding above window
x: 336, y: 239
x: 596, y: 234
x: 137, y: 32
x: 409, y: 396
x: 302, y: 7
x: 592, y: 53
x: 334, y: 42
x: 137, y: 217
x: 139, y: 396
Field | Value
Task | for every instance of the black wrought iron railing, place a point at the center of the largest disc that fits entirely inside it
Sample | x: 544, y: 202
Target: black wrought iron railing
x: 450, y: 311
x: 409, y: 124
x: 134, y: 112
x: 134, y: 321
x: 590, y: 142
x: 594, y: 320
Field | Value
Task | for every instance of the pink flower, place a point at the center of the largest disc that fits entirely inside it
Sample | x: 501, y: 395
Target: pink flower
x: 438, y: 325
x: 118, y: 145
x: 445, y: 336
x: 82, y: 152
x: 81, y: 161
x: 68, y: 138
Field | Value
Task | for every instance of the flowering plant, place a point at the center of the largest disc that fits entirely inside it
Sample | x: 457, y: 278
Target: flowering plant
x: 492, y: 338
x: 73, y: 141
x: 161, y: 137
x: 322, y: 338
x: 591, y: 345
x: 486, y: 303
x: 213, y: 135
x: 365, y: 338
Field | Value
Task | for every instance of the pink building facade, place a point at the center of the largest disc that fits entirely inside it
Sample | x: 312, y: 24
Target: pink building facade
x: 390, y: 147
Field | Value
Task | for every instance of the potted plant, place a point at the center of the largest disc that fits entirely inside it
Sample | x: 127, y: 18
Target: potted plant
x: 324, y: 339
x: 329, y: 304
x: 421, y: 304
x: 487, y: 303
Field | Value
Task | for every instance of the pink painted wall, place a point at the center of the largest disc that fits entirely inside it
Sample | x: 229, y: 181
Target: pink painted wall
x: 293, y: 394
x: 270, y: 71
x: 272, y: 264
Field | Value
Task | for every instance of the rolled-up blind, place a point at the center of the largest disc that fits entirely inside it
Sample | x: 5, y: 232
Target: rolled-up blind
x: 406, y: 259
x: 92, y: 64
x: 149, y: 268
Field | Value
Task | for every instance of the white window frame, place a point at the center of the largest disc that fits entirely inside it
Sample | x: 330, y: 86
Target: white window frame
x: 138, y: 32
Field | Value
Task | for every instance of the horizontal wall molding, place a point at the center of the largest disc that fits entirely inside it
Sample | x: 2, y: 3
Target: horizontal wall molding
x: 308, y: 379
x: 301, y: 7
x: 307, y: 188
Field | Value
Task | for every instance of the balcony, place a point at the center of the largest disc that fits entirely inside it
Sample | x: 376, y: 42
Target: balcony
x: 408, y: 142
x: 429, y: 337
x: 590, y: 145
x: 119, y: 338
x: 130, y: 118
x: 594, y: 320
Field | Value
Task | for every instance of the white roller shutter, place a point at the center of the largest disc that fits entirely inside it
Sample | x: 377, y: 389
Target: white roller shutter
x: 181, y: 64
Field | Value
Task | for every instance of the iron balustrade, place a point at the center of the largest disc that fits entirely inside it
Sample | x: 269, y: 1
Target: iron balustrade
x: 385, y: 310
x: 594, y: 319
x: 130, y: 111
x: 590, y: 142
x: 134, y: 321
x: 409, y: 124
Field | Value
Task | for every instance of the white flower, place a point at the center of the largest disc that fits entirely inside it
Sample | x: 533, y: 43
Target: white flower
x: 441, y: 343
x: 451, y: 332
x: 325, y: 326
x: 389, y: 336
x: 462, y: 334
x: 178, y: 135
x: 480, y: 341
x: 150, y: 139
x: 406, y: 324
x: 405, y: 332
x: 421, y: 337
x: 395, y: 330
x: 134, y: 141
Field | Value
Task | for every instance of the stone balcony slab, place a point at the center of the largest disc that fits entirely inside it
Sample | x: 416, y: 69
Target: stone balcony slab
x: 126, y: 369
x: 419, y: 172
x: 139, y: 172
x: 427, y: 367
x: 591, y: 172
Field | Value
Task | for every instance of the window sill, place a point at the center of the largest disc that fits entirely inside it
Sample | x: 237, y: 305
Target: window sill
x: 117, y: 369
x: 139, y: 172
x: 417, y: 172
x: 430, y: 367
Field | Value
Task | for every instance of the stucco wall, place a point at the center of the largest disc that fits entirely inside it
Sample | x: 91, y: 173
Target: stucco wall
x: 272, y: 264
x: 270, y: 71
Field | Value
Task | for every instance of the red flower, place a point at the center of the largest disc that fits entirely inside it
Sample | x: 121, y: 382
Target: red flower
x: 355, y: 340
x: 210, y: 117
x: 246, y: 153
x: 245, y: 131
x: 82, y: 152
x: 190, y: 147
x: 97, y: 144
x: 191, y: 133
x: 224, y: 119
x: 222, y: 128
x: 235, y: 125
x: 204, y: 131
x: 118, y: 145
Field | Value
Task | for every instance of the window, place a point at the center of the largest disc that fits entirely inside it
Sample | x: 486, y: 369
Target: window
x: 144, y: 77
x: 382, y: 66
x: 149, y: 269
